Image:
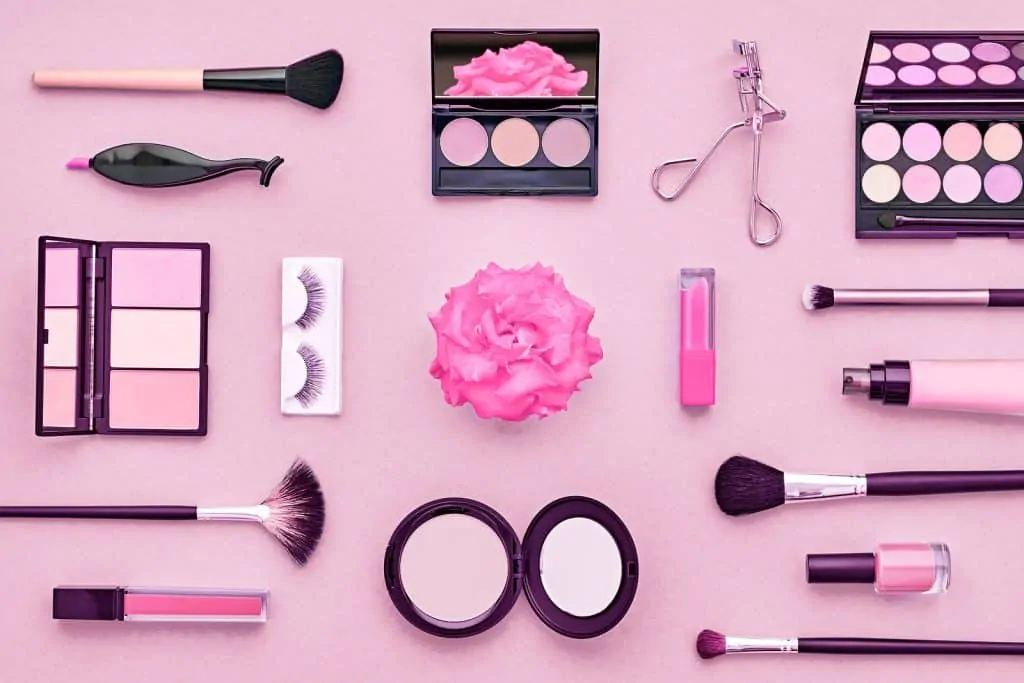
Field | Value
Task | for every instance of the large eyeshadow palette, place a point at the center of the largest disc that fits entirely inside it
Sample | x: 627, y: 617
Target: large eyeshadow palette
x: 939, y: 135
x: 514, y: 112
x: 122, y: 337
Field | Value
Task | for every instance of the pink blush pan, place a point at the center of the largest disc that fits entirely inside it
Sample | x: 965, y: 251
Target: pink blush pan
x: 154, y: 399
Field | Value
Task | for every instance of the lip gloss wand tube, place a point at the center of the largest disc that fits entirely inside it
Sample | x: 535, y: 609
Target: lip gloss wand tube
x: 697, y: 336
x: 979, y: 386
x: 184, y: 605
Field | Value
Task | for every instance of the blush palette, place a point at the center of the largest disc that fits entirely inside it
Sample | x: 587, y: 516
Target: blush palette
x: 122, y: 337
x: 939, y: 135
x: 514, y: 112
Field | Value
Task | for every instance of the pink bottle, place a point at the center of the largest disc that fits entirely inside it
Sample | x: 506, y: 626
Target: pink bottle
x: 697, y: 336
x: 922, y: 568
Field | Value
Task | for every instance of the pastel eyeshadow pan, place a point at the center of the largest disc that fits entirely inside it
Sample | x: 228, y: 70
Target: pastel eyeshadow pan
x: 956, y: 63
x: 516, y: 142
x: 61, y: 319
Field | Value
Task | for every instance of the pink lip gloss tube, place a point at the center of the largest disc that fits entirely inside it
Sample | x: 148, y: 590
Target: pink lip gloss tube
x: 922, y: 568
x: 980, y: 386
x: 697, y: 336
x: 189, y: 605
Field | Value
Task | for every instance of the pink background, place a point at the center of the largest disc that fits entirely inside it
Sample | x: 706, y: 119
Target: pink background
x: 356, y: 184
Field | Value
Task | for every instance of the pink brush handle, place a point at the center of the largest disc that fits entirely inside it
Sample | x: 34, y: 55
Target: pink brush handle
x: 121, y: 79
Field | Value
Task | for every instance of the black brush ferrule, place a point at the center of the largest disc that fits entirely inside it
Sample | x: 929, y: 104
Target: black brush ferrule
x: 270, y: 80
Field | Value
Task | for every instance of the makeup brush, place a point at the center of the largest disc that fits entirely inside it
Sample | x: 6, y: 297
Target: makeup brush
x: 711, y: 644
x: 817, y: 297
x: 891, y: 220
x: 293, y: 513
x: 744, y: 486
x: 314, y: 80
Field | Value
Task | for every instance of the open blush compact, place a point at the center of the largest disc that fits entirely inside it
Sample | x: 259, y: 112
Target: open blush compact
x: 940, y: 150
x: 514, y: 112
x: 455, y: 567
x: 122, y: 337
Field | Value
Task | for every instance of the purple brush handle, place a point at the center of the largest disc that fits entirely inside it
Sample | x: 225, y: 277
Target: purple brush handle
x: 1006, y: 297
x: 925, y: 483
x: 882, y: 646
x: 166, y: 512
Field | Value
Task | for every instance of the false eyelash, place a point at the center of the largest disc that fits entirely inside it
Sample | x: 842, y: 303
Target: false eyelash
x: 316, y: 298
x: 316, y: 374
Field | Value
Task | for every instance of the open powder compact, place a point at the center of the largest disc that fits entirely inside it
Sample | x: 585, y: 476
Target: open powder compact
x: 454, y: 567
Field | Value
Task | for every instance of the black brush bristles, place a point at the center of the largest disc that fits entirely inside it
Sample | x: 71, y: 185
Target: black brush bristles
x: 744, y: 486
x: 297, y: 512
x: 817, y: 297
x: 710, y: 644
x: 315, y: 80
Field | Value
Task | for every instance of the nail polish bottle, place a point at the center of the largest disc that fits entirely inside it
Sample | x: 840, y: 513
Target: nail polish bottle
x: 893, y: 568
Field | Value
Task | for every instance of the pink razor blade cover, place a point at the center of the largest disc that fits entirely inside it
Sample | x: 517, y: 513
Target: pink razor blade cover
x: 121, y: 79
x: 696, y: 346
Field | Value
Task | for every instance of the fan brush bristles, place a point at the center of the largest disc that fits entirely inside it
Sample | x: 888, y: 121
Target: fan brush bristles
x: 744, y: 486
x: 297, y: 512
x: 817, y: 297
x: 315, y: 80
x: 710, y: 644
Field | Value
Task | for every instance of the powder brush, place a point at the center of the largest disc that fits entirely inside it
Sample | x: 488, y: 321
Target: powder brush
x: 817, y: 297
x: 314, y: 80
x: 293, y: 513
x: 744, y: 486
x: 711, y: 644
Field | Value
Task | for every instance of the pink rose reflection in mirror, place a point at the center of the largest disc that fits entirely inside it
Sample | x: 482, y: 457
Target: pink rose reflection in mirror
x: 525, y: 70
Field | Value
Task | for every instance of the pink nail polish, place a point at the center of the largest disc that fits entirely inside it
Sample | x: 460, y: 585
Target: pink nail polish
x: 922, y: 568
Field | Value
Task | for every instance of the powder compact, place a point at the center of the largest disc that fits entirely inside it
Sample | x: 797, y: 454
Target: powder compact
x: 939, y: 144
x: 122, y: 337
x: 455, y: 567
x: 514, y: 112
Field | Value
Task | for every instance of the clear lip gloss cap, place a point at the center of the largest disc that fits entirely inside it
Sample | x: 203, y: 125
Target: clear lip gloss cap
x: 697, y: 334
x: 191, y: 605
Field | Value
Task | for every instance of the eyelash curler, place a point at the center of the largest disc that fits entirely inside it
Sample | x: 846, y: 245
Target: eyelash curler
x: 750, y: 86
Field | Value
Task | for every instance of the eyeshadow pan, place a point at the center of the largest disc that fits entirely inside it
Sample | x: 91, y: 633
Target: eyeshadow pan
x: 951, y: 53
x: 1020, y: 72
x: 1003, y: 141
x: 464, y: 141
x: 962, y: 141
x: 61, y: 349
x: 996, y: 74
x: 916, y: 74
x: 154, y: 399
x: 61, y: 287
x: 154, y: 338
x: 881, y: 141
x: 879, y: 53
x: 156, y: 278
x: 911, y: 53
x: 1018, y: 50
x: 957, y: 74
x: 921, y: 183
x: 566, y: 142
x: 1003, y: 183
x: 881, y: 183
x: 515, y: 142
x: 962, y: 184
x: 59, y: 401
x: 879, y: 75
x: 921, y: 141
x: 991, y: 52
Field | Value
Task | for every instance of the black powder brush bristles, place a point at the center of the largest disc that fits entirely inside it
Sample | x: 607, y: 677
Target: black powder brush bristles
x: 710, y: 644
x: 297, y: 512
x: 315, y: 80
x: 817, y: 297
x: 744, y: 486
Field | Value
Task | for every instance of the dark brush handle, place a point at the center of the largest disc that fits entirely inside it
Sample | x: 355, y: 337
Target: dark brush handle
x: 926, y: 483
x: 165, y: 512
x: 882, y: 646
x: 1006, y: 297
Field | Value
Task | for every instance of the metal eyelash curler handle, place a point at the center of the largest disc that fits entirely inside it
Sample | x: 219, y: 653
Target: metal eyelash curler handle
x: 752, y: 103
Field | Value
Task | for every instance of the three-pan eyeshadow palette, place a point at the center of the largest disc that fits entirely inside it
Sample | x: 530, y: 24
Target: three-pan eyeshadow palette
x: 514, y: 112
x: 122, y: 337
x: 939, y: 142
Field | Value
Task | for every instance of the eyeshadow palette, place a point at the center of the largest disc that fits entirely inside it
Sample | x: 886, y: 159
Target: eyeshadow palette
x: 939, y: 135
x: 122, y: 337
x: 514, y: 112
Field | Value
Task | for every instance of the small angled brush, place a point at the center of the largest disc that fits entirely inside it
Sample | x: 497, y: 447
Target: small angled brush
x: 293, y: 513
x: 314, y: 80
x: 817, y: 297
x: 711, y: 644
x: 744, y: 486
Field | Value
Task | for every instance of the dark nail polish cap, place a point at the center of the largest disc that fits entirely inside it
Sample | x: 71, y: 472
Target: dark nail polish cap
x: 88, y: 604
x: 841, y: 568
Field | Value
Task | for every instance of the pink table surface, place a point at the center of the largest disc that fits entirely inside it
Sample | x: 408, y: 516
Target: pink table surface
x: 356, y: 184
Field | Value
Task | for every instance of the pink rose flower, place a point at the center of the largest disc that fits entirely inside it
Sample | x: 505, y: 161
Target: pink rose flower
x: 513, y: 343
x: 528, y: 69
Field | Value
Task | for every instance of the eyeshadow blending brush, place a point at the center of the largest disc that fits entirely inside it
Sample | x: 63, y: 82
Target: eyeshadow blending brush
x: 891, y: 220
x: 711, y: 644
x: 817, y: 297
x: 744, y: 486
x: 314, y: 80
x: 293, y: 513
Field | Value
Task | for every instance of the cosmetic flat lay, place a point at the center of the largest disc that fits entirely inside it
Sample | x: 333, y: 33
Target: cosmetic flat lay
x: 575, y: 376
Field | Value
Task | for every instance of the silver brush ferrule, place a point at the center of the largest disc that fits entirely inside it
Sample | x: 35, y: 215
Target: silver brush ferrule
x: 247, y: 513
x: 801, y: 487
x: 734, y: 645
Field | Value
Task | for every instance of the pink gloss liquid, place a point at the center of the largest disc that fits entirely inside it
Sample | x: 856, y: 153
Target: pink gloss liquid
x: 194, y: 605
x: 912, y: 568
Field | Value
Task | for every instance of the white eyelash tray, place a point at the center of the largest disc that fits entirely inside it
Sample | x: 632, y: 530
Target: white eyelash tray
x: 311, y: 335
